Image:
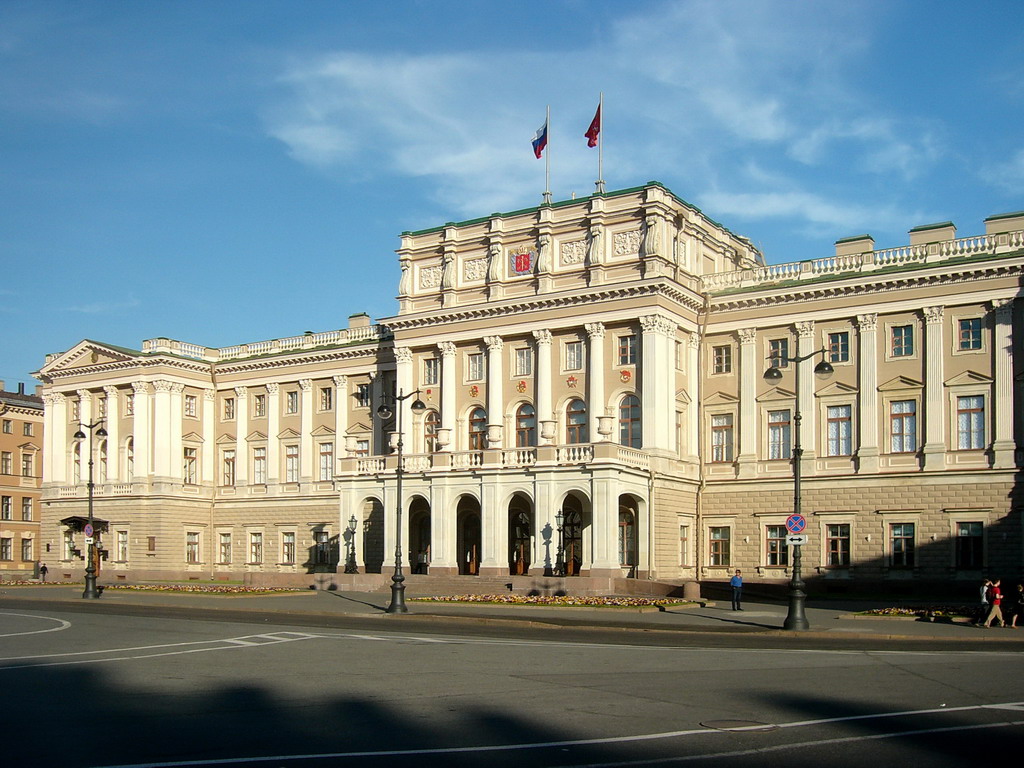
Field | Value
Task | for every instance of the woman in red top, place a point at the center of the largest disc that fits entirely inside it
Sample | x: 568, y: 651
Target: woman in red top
x: 995, y: 599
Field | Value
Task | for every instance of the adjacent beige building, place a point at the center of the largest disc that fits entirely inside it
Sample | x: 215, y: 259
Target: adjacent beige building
x: 21, y: 439
x: 595, y: 407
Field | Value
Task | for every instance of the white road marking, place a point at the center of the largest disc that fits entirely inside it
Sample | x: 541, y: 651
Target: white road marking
x: 62, y: 624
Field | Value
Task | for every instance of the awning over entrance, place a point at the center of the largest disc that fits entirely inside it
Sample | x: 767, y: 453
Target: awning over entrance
x: 77, y: 523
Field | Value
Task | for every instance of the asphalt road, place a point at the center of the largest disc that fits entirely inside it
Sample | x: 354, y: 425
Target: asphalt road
x: 131, y: 687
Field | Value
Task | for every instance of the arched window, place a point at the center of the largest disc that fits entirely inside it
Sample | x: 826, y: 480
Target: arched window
x: 629, y: 422
x: 576, y: 430
x: 478, y: 429
x: 431, y: 423
x: 526, y: 426
x: 627, y: 538
x: 129, y: 459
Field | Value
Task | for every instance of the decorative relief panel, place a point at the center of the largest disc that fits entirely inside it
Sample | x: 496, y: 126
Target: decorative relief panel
x: 574, y: 252
x: 626, y: 243
x: 475, y: 269
x: 430, y: 277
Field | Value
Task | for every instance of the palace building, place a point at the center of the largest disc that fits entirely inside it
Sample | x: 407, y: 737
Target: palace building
x: 595, y: 410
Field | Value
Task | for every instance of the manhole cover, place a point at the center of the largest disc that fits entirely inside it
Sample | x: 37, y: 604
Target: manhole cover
x: 739, y: 725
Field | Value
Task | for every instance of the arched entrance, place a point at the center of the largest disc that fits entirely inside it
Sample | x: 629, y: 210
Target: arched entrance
x: 627, y: 535
x: 520, y: 536
x: 419, y: 535
x: 373, y: 535
x: 572, y: 536
x: 469, y: 536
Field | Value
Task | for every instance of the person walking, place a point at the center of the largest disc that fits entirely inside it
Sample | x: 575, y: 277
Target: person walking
x: 736, y: 582
x: 986, y: 585
x: 1018, y: 605
x: 995, y: 599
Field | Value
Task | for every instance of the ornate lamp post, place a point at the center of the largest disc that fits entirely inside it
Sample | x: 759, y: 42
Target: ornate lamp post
x: 350, y: 563
x: 90, y: 532
x: 796, y: 619
x: 397, y: 580
x: 560, y: 552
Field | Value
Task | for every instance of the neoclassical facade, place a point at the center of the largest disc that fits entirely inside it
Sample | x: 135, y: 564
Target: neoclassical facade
x: 594, y: 407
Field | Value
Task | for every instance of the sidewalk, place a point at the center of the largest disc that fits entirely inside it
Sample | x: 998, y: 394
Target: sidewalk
x: 826, y: 618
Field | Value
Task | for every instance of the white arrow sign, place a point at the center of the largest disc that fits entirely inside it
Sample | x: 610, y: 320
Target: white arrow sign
x: 796, y: 538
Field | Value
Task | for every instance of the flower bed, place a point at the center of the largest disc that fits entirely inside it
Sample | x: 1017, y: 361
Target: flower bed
x: 204, y: 589
x: 942, y: 611
x: 572, y: 601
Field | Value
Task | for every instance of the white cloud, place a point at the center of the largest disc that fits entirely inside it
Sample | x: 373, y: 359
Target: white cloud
x: 1008, y: 175
x: 104, y: 307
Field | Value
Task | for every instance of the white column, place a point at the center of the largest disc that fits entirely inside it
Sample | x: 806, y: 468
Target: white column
x: 49, y: 432
x: 656, y: 368
x: 379, y: 442
x: 141, y: 432
x: 209, y: 476
x: 341, y: 401
x: 241, y: 433
x: 448, y: 416
x: 162, y: 438
x: 273, y: 430
x: 596, y: 405
x: 808, y: 405
x: 495, y: 388
x: 751, y: 370
x: 867, y: 418
x: 84, y: 411
x: 604, y: 526
x: 545, y: 418
x: 174, y: 429
x: 693, y: 374
x: 934, y: 410
x: 403, y: 380
x: 113, y: 427
x: 306, y: 455
x: 1002, y: 407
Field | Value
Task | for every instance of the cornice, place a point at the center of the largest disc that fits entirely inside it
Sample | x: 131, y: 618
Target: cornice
x: 283, y: 361
x: 183, y: 364
x: 773, y: 295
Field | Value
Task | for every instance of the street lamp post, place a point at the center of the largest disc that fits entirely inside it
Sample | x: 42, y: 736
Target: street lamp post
x: 91, y: 591
x: 397, y: 580
x: 350, y: 561
x: 560, y: 553
x: 796, y: 619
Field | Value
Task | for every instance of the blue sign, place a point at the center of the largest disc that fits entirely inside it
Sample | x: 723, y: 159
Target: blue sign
x: 796, y: 523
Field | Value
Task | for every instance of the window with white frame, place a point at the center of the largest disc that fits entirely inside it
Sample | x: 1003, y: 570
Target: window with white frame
x: 526, y: 426
x: 576, y: 427
x: 129, y: 405
x: 431, y: 423
x: 837, y: 545
x: 969, y: 545
x: 431, y: 371
x: 630, y: 422
x: 776, y: 553
x: 224, y: 549
x: 477, y: 429
x: 721, y: 359
x: 779, y: 434
x: 8, y: 427
x: 101, y: 407
x: 475, y: 366
x: 228, y: 466
x: 6, y: 548
x: 970, y: 423
x: 291, y: 463
x: 259, y: 406
x: 6, y: 507
x: 903, y: 426
x: 627, y: 349
x: 901, y: 545
x: 28, y: 464
x: 190, y: 465
x: 121, y: 547
x: 362, y: 448
x: 778, y: 353
x: 26, y: 550
x: 28, y: 429
x: 291, y: 402
x: 901, y: 341
x: 259, y: 465
x: 288, y: 548
x: 839, y: 430
x: 192, y: 547
x: 191, y: 406
x: 322, y: 547
x: 721, y: 437
x: 362, y: 395
x: 684, y: 542
x: 523, y: 362
x: 326, y: 398
x: 255, y: 548
x: 969, y: 334
x: 69, y: 546
x: 719, y: 550
x: 26, y: 508
x: 229, y: 408
x: 7, y: 462
x: 574, y: 355
x: 839, y: 347
x: 326, y: 461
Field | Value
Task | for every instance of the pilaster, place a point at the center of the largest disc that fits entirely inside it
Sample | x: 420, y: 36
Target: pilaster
x: 1002, y: 350
x: 596, y: 405
x: 545, y: 417
x: 867, y: 353
x: 750, y: 373
x: 242, y: 457
x: 448, y: 399
x: 113, y: 427
x: 934, y: 410
x: 273, y: 432
x: 306, y: 453
x: 495, y: 382
x: 141, y: 434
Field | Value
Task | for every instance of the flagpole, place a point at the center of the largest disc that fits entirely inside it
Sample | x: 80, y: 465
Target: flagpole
x: 547, y: 158
x: 600, y: 148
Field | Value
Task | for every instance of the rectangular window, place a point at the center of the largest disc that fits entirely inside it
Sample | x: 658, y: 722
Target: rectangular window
x: 778, y: 353
x: 291, y: 402
x: 684, y: 544
x: 326, y: 461
x: 259, y: 406
x: 228, y: 467
x: 839, y: 347
x: 192, y: 547
x: 627, y: 349
x: 970, y: 423
x: 721, y: 359
x: 6, y: 507
x: 719, y: 539
x: 776, y: 552
x: 8, y: 427
x: 27, y: 462
x: 69, y: 546
x: 475, y: 367
x: 26, y: 507
x: 322, y: 547
x: 969, y: 337
x: 362, y: 448
x: 229, y: 408
x: 259, y: 466
x: 779, y: 431
x: 6, y: 549
x: 969, y: 546
x: 151, y: 543
x: 902, y: 340
x: 838, y: 542
x: 524, y: 362
x: 6, y: 463
x: 721, y: 437
x: 839, y: 430
x: 363, y: 395
x: 326, y: 399
x: 432, y: 371
x: 191, y: 409
x: 255, y: 548
x: 903, y: 426
x: 190, y: 468
x: 26, y: 550
x: 224, y: 549
x: 291, y: 463
x: 129, y: 405
x: 28, y: 429
x: 574, y: 356
x: 101, y: 406
x: 121, y: 553
x: 76, y: 410
x: 902, y: 542
x: 288, y: 548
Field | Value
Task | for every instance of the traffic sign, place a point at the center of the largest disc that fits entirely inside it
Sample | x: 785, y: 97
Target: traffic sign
x: 796, y: 539
x: 89, y: 540
x: 796, y: 523
x: 88, y: 529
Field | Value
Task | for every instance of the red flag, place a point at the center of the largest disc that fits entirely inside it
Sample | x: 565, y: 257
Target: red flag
x: 594, y: 129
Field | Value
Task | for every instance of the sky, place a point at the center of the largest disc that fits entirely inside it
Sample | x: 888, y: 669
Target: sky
x: 228, y: 171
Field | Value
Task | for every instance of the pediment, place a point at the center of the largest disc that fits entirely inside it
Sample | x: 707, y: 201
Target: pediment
x: 836, y: 388
x: 321, y: 431
x: 29, y: 446
x: 256, y: 436
x: 192, y: 437
x: 900, y: 382
x: 776, y: 394
x: 720, y: 398
x: 226, y: 439
x: 287, y: 434
x: 359, y: 428
x: 682, y: 396
x: 968, y: 378
x: 88, y: 354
